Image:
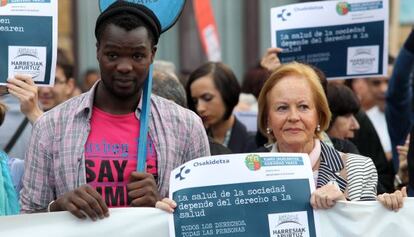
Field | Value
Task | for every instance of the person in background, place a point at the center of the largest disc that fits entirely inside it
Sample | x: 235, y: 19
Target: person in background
x: 360, y: 88
x: 213, y: 92
x: 378, y: 87
x: 89, y: 78
x: 9, y: 204
x: 165, y: 66
x: 24, y: 90
x: 399, y: 107
x: 167, y: 85
x: 372, y: 139
x: 343, y: 105
x: 82, y: 156
x: 64, y: 87
x: 246, y: 109
x: 16, y: 129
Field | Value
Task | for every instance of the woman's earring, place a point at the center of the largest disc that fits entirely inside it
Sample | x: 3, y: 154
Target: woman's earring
x: 268, y: 130
x: 318, y: 128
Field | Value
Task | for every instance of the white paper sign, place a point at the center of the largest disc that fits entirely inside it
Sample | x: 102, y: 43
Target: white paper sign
x: 28, y: 40
x: 263, y: 194
x: 345, y: 39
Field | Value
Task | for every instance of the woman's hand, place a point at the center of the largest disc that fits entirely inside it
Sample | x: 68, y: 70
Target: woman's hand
x: 167, y: 205
x: 325, y: 197
x: 393, y: 201
x: 270, y: 60
x: 401, y: 178
x: 24, y: 89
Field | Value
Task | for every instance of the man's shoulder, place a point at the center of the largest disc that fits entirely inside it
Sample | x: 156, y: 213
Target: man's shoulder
x: 64, y: 111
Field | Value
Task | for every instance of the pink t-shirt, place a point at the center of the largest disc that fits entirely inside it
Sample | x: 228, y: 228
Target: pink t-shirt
x: 111, y: 155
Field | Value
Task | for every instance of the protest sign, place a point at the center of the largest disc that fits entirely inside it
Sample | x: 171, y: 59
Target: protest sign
x: 262, y: 194
x: 28, y: 40
x: 345, y: 39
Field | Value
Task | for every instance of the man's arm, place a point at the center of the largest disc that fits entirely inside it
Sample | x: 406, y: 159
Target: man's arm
x: 398, y: 107
x: 38, y: 183
x: 38, y: 192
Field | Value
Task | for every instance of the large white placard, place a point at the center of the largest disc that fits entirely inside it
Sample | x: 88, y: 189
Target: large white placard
x: 345, y: 39
x: 263, y: 194
x: 28, y: 40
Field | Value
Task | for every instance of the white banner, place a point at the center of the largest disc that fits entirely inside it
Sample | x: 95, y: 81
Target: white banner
x: 345, y: 219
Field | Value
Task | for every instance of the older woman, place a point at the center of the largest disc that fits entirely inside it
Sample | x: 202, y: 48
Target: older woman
x: 213, y: 92
x: 293, y: 111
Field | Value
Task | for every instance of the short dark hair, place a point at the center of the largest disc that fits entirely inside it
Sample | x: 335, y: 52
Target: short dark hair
x: 224, y: 80
x: 342, y: 101
x: 127, y: 22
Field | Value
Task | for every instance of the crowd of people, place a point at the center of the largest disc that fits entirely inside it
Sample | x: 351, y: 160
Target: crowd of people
x: 63, y: 150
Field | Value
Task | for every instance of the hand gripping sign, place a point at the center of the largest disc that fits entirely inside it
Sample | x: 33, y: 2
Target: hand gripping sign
x: 166, y: 13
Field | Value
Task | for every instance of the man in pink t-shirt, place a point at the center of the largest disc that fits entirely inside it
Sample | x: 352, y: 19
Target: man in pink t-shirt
x: 111, y: 155
x: 126, y: 47
x: 83, y: 153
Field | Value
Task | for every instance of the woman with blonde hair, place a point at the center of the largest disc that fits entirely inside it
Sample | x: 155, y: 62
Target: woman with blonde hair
x: 293, y: 112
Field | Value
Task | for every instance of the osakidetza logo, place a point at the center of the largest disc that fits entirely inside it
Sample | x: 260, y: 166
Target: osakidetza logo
x: 342, y: 8
x: 253, y: 162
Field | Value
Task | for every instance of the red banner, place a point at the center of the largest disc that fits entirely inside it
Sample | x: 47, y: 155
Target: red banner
x: 207, y: 29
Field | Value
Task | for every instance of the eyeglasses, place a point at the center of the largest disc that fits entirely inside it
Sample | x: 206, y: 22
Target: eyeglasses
x: 59, y: 81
